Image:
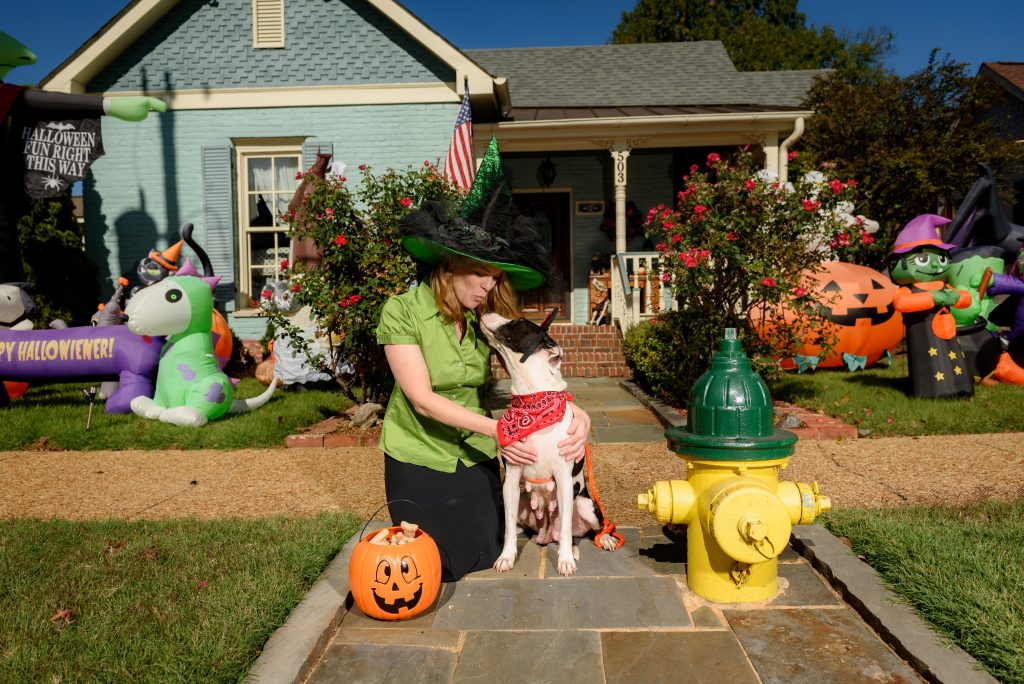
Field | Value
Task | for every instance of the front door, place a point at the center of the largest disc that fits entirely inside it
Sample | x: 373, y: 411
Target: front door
x: 551, y: 214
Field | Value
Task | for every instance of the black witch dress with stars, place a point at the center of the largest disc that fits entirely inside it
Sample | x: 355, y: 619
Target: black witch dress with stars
x: 937, y: 366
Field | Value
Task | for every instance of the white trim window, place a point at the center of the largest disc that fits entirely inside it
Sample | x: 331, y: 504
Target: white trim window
x: 268, y: 23
x: 267, y: 181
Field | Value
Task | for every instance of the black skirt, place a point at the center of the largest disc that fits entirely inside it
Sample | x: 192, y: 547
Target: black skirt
x: 462, y: 511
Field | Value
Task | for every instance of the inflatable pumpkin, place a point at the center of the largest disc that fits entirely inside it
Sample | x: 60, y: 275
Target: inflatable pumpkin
x: 395, y: 582
x: 858, y: 302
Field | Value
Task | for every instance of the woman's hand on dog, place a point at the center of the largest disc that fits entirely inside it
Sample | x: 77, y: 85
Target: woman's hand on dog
x: 574, y: 446
x: 518, y: 453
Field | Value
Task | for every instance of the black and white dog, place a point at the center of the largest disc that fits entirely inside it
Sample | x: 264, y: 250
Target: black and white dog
x: 540, y: 415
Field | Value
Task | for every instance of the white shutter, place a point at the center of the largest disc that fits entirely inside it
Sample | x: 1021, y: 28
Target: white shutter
x: 268, y: 23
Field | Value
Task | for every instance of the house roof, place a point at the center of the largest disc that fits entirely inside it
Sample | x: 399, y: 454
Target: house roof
x: 1009, y: 75
x: 686, y: 74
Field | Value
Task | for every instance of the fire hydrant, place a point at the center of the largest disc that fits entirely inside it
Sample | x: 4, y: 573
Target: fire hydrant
x: 738, y: 515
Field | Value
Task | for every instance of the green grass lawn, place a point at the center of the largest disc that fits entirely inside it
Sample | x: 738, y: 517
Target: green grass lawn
x: 59, y: 413
x: 877, y: 399
x: 153, y: 601
x: 960, y: 568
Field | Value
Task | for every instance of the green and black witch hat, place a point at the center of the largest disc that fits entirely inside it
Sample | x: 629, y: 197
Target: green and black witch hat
x: 488, y: 228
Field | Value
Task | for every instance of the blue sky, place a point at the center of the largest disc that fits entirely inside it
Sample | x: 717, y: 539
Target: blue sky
x: 985, y: 30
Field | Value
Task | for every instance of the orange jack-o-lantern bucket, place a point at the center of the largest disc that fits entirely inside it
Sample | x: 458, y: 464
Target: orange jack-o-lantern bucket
x: 395, y: 582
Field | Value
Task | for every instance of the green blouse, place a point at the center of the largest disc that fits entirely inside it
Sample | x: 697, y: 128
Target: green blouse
x: 457, y: 370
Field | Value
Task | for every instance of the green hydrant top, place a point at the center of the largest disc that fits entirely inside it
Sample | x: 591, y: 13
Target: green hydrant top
x: 730, y: 417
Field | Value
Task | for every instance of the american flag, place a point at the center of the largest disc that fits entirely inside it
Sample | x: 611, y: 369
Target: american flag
x: 459, y: 166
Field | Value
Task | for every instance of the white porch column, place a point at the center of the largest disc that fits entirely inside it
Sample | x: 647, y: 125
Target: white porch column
x: 771, y: 153
x: 620, y: 152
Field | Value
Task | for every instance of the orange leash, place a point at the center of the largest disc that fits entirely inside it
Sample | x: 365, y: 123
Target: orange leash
x: 607, y: 526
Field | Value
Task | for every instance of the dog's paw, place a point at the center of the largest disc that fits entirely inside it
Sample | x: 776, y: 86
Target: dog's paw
x: 609, y: 543
x: 566, y: 566
x: 504, y: 563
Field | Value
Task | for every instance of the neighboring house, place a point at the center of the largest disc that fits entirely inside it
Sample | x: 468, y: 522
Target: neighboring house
x: 1009, y: 76
x: 256, y: 87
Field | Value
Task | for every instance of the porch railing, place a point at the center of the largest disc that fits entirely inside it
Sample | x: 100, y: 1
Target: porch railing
x: 638, y: 293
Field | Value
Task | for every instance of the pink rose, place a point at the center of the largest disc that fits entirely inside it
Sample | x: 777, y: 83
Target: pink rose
x: 799, y: 291
x: 793, y: 154
x: 675, y: 238
x: 405, y: 201
x: 769, y: 282
x: 329, y: 211
x: 713, y: 157
x: 665, y: 277
x: 362, y: 167
x: 749, y: 185
x: 731, y: 236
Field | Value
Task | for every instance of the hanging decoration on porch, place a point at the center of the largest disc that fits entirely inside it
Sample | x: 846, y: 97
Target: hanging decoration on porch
x: 51, y: 139
x: 919, y: 262
x: 634, y: 221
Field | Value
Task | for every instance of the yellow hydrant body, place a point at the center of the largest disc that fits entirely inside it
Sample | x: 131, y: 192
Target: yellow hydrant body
x: 738, y: 515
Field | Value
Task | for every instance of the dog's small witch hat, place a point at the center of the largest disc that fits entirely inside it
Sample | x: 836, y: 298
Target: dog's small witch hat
x: 539, y: 336
x: 488, y: 228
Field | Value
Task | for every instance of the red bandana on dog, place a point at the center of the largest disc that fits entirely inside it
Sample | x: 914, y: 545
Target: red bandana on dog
x: 529, y: 413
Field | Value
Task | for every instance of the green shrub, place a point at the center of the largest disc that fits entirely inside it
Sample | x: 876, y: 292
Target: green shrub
x: 736, y: 252
x: 362, y: 265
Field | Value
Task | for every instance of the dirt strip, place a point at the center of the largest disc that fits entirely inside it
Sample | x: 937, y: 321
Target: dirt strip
x: 260, y: 482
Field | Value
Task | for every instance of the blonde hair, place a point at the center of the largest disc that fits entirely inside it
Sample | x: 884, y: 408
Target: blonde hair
x: 502, y: 299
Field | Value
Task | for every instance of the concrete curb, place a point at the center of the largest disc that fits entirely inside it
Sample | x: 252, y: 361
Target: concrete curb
x: 295, y: 647
x: 667, y: 415
x: 895, y: 622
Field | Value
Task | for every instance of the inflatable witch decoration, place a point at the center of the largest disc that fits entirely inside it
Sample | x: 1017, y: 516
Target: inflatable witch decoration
x: 919, y: 262
x: 47, y: 142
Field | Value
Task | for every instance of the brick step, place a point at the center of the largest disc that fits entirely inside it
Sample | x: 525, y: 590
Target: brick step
x: 590, y: 351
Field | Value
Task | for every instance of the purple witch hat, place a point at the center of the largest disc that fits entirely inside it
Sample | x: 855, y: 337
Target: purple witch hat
x: 921, y: 231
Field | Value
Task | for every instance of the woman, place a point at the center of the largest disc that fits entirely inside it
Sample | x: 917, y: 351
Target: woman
x: 439, y: 441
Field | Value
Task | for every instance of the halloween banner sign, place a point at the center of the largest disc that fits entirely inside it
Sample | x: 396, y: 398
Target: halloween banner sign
x: 84, y: 353
x: 58, y: 153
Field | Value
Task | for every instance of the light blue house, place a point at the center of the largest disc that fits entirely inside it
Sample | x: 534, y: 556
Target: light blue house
x: 256, y: 87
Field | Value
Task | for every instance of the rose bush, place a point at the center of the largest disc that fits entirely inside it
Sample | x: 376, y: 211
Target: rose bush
x: 739, y: 242
x: 362, y: 265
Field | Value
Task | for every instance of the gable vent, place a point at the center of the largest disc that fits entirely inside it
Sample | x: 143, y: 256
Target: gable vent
x: 268, y: 23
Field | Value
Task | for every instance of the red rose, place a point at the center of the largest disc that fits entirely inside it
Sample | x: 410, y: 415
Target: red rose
x: 793, y: 154
x: 731, y: 236
x: 354, y: 299
x: 810, y: 205
x: 769, y: 282
x: 266, y: 294
x: 713, y: 157
x: 284, y: 263
x: 799, y: 291
x: 295, y: 287
x: 405, y: 201
x: 749, y: 185
x: 362, y: 167
x: 835, y: 186
x: 340, y: 240
x: 344, y: 303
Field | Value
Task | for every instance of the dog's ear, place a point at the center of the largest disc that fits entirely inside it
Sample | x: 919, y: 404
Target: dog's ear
x: 554, y: 359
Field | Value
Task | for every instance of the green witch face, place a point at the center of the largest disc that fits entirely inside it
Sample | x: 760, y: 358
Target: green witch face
x: 927, y: 265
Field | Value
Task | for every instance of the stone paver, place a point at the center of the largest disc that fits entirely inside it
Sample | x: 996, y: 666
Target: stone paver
x: 812, y: 646
x: 345, y: 663
x: 677, y: 657
x: 530, y: 657
x: 564, y: 603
